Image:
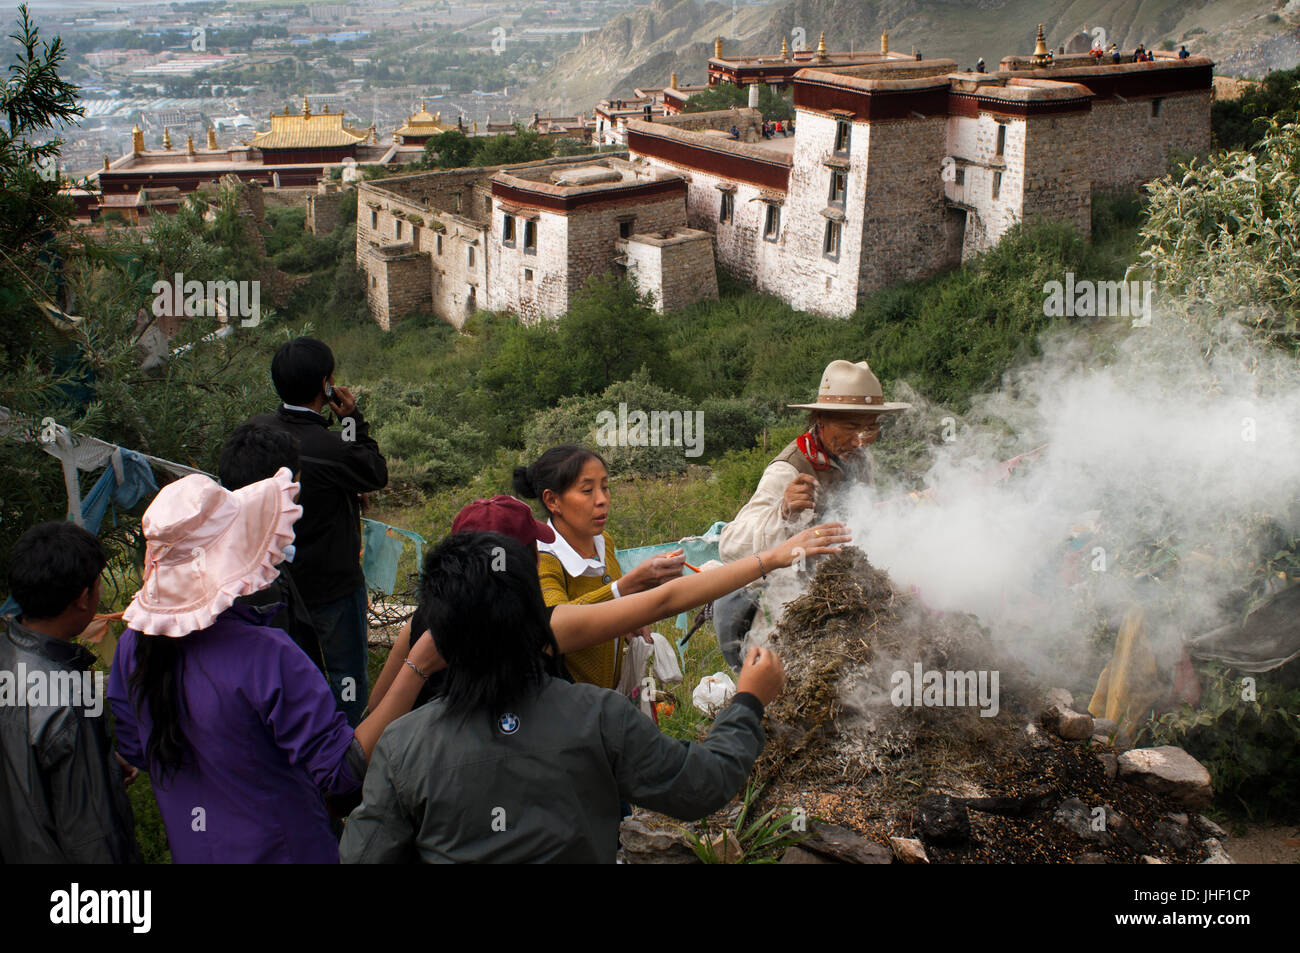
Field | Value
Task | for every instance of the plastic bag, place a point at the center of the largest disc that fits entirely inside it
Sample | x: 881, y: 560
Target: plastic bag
x: 713, y: 693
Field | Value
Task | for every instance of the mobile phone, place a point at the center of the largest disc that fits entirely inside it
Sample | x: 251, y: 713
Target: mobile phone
x: 329, y: 393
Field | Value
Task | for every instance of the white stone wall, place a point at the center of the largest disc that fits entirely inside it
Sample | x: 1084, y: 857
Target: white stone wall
x: 546, y: 295
x: 812, y: 281
x: 674, y: 273
x: 571, y: 247
x: 739, y: 245
x: 449, y: 276
x: 972, y: 142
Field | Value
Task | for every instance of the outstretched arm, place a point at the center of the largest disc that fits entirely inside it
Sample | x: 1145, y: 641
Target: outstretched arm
x: 580, y: 626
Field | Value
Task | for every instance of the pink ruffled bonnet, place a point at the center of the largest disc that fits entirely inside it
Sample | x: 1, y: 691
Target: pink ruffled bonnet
x: 205, y: 546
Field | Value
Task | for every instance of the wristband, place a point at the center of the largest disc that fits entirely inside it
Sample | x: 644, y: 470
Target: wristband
x: 761, y: 567
x: 415, y: 669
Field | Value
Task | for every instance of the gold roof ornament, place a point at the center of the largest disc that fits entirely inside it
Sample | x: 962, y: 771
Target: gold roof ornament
x: 422, y: 123
x: 189, y: 145
x: 717, y: 48
x: 1042, y: 55
x: 672, y: 80
x: 137, y: 140
x: 105, y: 163
x: 167, y: 138
x: 884, y: 41
x: 821, y: 46
x: 306, y: 108
x: 308, y: 131
x: 212, y: 139
x: 785, y: 49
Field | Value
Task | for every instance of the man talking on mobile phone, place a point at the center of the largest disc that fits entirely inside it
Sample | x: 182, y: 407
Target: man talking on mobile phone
x: 337, y: 467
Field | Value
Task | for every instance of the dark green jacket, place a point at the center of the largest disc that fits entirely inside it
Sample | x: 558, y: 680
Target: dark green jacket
x: 440, y: 790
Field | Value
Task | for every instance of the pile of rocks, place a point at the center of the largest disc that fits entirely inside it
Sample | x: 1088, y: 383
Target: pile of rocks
x: 1165, y: 770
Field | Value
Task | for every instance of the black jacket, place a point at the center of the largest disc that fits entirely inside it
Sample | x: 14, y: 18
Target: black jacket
x: 291, y: 615
x: 327, y: 539
x: 62, y: 800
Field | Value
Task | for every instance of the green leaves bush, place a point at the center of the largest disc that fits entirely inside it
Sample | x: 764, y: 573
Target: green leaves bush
x: 1250, y: 747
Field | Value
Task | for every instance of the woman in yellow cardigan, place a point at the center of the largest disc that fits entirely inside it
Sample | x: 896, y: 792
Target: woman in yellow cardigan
x: 580, y: 566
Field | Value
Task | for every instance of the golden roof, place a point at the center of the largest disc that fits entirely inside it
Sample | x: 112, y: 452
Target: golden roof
x: 308, y: 130
x: 423, y: 123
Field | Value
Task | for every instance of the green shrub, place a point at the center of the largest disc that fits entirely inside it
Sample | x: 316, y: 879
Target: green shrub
x: 1251, y: 747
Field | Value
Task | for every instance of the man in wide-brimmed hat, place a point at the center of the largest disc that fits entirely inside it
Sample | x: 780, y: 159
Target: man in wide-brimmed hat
x: 842, y: 422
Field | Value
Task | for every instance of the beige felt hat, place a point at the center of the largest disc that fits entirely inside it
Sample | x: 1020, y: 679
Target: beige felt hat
x: 851, y: 388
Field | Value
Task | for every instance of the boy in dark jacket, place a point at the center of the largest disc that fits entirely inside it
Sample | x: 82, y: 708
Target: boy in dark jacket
x: 62, y: 798
x: 253, y: 453
x: 337, y: 467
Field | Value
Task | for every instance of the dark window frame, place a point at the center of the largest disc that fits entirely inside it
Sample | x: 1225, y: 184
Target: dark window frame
x: 840, y: 195
x: 831, y: 240
x: 843, y: 135
x: 772, y: 223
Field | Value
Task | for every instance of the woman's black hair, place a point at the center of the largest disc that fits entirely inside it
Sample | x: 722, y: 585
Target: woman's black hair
x: 556, y: 470
x: 156, y: 683
x: 480, y: 598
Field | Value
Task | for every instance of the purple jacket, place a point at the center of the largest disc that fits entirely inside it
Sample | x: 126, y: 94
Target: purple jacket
x: 264, y: 738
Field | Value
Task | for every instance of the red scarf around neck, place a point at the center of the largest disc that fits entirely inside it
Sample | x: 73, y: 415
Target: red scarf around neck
x: 810, y: 446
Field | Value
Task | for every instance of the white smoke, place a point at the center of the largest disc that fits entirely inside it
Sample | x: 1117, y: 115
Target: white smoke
x: 1158, y: 444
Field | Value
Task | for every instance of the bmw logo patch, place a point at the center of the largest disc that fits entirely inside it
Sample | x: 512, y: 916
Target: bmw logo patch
x: 508, y: 723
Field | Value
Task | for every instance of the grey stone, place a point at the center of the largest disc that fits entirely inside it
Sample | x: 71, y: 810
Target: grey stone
x: 1211, y: 828
x: 646, y: 845
x: 797, y: 855
x: 909, y: 850
x: 1148, y: 859
x: 1074, y: 816
x: 840, y: 843
x: 1110, y: 762
x: 1180, y: 819
x: 1091, y: 858
x: 1104, y: 726
x: 1067, y: 723
x: 1217, y: 855
x: 1168, y: 770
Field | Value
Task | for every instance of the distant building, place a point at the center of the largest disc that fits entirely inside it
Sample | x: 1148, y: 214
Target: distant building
x: 525, y: 238
x: 779, y: 69
x: 901, y: 169
x: 420, y: 127
x: 296, y: 151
